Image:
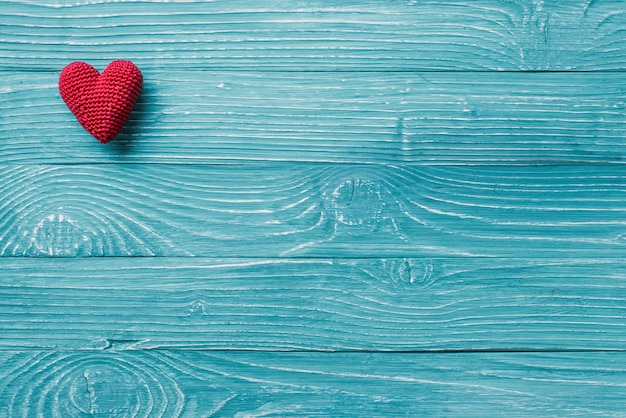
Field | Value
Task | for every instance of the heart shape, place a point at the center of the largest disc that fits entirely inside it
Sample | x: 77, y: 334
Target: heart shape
x: 101, y: 102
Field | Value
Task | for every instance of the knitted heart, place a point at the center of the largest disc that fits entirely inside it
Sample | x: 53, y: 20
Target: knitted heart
x: 101, y: 102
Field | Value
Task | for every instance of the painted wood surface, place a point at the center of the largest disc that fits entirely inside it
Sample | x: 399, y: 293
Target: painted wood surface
x: 191, y: 384
x: 373, y: 208
x: 301, y: 35
x: 313, y: 305
x: 426, y: 118
x: 312, y: 210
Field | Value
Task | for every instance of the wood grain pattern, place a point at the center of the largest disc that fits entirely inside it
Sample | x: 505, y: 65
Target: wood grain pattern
x: 435, y: 119
x: 192, y: 384
x: 373, y: 208
x: 313, y: 210
x: 311, y: 34
x: 323, y: 304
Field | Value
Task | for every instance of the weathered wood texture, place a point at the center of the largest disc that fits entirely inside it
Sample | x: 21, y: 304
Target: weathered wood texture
x: 375, y: 304
x: 312, y: 34
x: 193, y: 384
x: 426, y: 118
x: 303, y: 210
x: 333, y: 208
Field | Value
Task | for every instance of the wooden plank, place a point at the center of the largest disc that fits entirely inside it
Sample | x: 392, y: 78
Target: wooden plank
x: 314, y: 304
x: 310, y: 34
x: 312, y: 210
x: 192, y: 384
x: 443, y: 118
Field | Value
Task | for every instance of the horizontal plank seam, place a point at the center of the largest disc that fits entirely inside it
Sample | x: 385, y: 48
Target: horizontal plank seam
x: 577, y: 259
x: 247, y: 69
x: 260, y: 162
x: 320, y: 351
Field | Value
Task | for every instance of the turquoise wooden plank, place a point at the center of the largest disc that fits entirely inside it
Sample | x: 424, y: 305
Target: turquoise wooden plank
x: 442, y: 118
x: 312, y: 210
x: 313, y: 304
x: 192, y: 384
x: 309, y: 34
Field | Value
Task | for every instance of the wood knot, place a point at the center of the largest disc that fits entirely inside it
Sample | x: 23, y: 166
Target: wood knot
x: 408, y: 273
x: 58, y: 235
x: 358, y: 205
x: 98, y: 384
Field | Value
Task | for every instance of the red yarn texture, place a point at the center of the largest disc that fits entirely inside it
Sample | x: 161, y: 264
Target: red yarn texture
x: 101, y: 102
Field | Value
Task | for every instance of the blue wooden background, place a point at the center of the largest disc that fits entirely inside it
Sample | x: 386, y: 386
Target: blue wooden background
x: 333, y: 208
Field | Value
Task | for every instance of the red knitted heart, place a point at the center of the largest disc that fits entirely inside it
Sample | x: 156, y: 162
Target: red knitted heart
x: 101, y: 102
